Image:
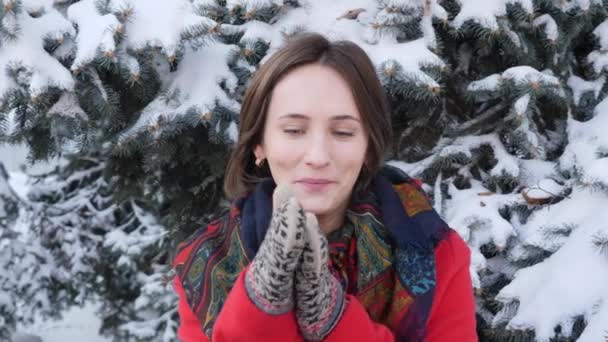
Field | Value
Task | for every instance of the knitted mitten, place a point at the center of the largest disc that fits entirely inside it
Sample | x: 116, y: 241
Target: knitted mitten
x: 269, y: 279
x: 319, y: 296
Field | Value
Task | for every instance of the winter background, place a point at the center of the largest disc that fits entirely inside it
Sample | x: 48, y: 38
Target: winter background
x: 117, y: 116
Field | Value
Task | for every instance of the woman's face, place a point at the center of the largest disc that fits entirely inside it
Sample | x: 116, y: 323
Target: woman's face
x: 314, y: 139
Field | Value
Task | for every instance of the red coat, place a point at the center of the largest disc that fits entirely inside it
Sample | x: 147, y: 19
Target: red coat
x: 452, y: 316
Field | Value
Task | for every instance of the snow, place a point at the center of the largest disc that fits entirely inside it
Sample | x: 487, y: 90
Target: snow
x: 196, y: 84
x: 95, y: 32
x: 152, y: 24
x: 506, y: 162
x: 156, y: 25
x: 157, y: 304
x: 209, y: 63
x: 599, y: 59
x: 233, y: 131
x: 438, y: 195
x: 254, y: 30
x: 18, y: 181
x: 545, y: 188
x: 252, y: 4
x: 525, y: 74
x: 515, y: 39
x: 68, y: 106
x: 578, y: 4
x: 485, y: 12
x: 38, y: 5
x: 474, y: 214
x: 521, y: 104
x: 550, y: 26
x: 23, y: 337
x: 533, y: 171
x: 583, y: 212
x: 131, y: 245
x: 576, y: 273
x: 520, y: 75
x: 601, y: 32
x: 77, y: 324
x: 325, y: 17
x: 438, y: 11
x: 596, y: 326
x: 133, y: 65
x: 587, y: 139
x: 580, y: 86
x: 487, y: 83
x: 428, y: 31
x: 410, y: 55
x: 28, y: 52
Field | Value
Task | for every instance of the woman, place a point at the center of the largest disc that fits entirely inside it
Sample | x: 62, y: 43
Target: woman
x: 322, y: 242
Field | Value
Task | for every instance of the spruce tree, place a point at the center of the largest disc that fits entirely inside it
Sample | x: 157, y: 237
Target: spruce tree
x: 498, y: 106
x: 9, y: 207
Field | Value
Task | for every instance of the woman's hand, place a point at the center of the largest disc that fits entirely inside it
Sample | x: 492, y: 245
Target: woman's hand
x: 319, y: 296
x: 269, y: 279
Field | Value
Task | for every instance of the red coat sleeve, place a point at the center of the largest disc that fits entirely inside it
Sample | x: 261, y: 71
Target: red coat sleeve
x: 241, y: 320
x: 453, y: 312
x: 355, y: 325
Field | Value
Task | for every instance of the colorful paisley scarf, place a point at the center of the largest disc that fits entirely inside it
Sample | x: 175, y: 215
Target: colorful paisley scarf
x: 383, y: 255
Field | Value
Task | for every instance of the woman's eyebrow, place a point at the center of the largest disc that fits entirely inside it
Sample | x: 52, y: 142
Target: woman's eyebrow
x: 344, y: 117
x: 306, y: 117
x: 294, y: 116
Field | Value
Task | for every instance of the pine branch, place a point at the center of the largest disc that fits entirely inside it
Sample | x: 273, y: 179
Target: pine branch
x: 481, y: 121
x: 600, y: 242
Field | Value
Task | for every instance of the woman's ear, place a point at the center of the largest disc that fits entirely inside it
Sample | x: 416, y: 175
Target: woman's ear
x: 258, y: 152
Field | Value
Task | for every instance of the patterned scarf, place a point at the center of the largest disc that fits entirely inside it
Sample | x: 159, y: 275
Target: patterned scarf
x: 383, y: 255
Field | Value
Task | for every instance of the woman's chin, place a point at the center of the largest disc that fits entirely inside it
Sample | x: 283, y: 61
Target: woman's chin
x: 315, y: 207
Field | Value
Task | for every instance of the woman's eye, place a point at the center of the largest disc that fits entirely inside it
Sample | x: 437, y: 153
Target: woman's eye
x: 344, y: 134
x: 293, y: 131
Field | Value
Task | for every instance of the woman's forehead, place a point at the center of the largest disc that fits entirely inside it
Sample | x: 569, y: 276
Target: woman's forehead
x: 313, y: 91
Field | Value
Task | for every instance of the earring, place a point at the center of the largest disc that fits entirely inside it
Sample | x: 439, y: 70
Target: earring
x: 259, y: 162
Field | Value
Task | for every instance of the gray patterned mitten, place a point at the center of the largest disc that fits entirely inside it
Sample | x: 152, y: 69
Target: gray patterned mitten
x: 269, y: 279
x: 320, y: 299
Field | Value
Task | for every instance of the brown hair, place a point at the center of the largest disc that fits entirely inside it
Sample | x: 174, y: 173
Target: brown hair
x: 345, y: 57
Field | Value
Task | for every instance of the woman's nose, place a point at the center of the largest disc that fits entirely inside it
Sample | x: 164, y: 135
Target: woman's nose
x: 317, y: 153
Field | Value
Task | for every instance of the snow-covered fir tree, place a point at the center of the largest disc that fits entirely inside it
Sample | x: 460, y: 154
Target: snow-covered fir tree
x: 498, y: 106
x: 9, y: 207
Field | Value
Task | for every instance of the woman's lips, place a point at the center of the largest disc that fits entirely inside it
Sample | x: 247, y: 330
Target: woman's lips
x: 312, y: 184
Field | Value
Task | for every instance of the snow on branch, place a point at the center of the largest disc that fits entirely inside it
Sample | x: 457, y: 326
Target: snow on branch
x: 519, y: 75
x: 585, y: 155
x: 599, y: 58
x: 576, y: 273
x: 27, y: 65
x: 130, y: 242
x: 550, y: 26
x: 96, y: 32
x: 485, y: 13
x: 194, y: 87
x: 580, y: 86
